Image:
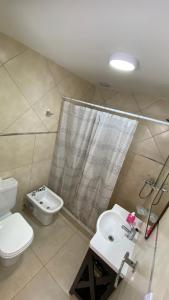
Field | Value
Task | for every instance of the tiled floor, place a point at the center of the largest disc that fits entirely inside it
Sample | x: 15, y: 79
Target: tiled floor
x: 49, y: 266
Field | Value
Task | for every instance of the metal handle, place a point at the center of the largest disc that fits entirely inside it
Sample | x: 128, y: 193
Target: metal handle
x: 49, y: 113
x: 149, y: 181
x: 119, y: 272
x: 128, y: 261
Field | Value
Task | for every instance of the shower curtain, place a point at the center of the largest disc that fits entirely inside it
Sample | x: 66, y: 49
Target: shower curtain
x: 90, y: 149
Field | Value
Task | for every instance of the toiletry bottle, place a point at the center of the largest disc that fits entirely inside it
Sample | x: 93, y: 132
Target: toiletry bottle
x: 131, y: 218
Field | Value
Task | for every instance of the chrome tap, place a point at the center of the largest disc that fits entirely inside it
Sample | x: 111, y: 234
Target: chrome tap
x: 130, y: 232
x: 128, y: 261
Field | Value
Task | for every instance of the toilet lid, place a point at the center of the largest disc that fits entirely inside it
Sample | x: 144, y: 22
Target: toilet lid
x: 15, y: 235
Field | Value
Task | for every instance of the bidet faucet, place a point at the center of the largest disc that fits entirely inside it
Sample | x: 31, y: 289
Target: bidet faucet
x: 130, y: 232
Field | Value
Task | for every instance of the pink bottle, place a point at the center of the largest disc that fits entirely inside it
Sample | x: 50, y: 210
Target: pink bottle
x: 131, y: 218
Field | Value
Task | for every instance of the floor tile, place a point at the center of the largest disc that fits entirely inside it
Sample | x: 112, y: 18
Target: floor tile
x: 49, y: 239
x: 42, y: 287
x: 72, y: 221
x: 13, y: 279
x: 68, y: 222
x: 65, y: 264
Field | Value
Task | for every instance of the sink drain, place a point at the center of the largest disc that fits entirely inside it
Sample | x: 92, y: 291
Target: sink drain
x: 111, y: 238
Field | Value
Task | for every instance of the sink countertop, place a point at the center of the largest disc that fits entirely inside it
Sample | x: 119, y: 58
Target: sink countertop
x: 113, y: 252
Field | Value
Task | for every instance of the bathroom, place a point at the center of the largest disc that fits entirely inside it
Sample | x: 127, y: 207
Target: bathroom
x: 54, y: 58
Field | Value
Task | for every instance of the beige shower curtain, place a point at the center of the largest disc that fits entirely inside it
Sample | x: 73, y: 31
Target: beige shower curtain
x: 90, y: 149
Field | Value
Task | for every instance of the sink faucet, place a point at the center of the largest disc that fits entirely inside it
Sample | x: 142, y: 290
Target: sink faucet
x: 129, y: 262
x: 130, y: 232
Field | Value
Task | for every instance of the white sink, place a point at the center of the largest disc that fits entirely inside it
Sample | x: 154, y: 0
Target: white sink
x: 110, y: 241
x: 109, y: 225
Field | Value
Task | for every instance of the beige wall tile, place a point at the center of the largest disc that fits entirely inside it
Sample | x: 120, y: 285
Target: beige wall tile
x: 98, y: 98
x: 127, y: 102
x: 52, y: 101
x: 144, y: 101
x: 12, y: 103
x: 161, y: 271
x: 89, y: 94
x: 162, y: 141
x: 70, y: 87
x: 142, y: 133
x: 36, y: 77
x: 13, y: 279
x: 58, y: 72
x: 15, y: 151
x: 135, y: 170
x: 27, y: 89
x: 158, y: 110
x: 157, y: 128
x: 44, y: 147
x: 108, y: 93
x: 28, y: 122
x: 84, y: 87
x: 40, y: 174
x: 119, y: 100
x: 31, y: 73
x: 147, y: 148
x: 157, y: 209
x: 9, y: 48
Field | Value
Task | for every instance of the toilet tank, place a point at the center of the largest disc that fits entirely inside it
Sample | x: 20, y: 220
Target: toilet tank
x: 8, y: 191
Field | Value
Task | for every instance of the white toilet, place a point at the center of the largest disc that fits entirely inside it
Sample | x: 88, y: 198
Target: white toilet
x: 16, y: 234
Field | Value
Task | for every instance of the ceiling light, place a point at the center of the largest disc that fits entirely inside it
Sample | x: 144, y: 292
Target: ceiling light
x: 123, y: 62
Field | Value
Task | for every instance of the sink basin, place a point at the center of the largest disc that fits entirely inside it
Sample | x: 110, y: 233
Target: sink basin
x: 109, y: 225
x: 110, y: 241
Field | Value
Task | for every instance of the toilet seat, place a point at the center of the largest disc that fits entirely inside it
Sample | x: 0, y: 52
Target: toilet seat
x: 15, y: 235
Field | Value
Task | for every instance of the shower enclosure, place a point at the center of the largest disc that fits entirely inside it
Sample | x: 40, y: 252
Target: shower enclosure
x: 90, y: 150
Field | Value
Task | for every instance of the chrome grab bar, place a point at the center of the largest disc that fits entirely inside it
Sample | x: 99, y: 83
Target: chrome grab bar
x: 128, y: 261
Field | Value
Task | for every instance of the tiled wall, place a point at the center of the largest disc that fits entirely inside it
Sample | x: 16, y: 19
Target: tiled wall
x: 35, y: 84
x: 150, y: 146
x: 29, y: 85
x: 160, y: 284
x: 146, y: 156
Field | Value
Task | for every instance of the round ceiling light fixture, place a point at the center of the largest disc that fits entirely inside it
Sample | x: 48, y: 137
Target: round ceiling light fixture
x: 123, y: 62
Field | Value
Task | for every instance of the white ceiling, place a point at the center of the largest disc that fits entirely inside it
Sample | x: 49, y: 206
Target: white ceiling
x: 81, y: 36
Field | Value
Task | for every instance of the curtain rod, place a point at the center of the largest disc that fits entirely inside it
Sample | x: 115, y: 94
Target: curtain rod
x: 26, y: 133
x: 116, y: 111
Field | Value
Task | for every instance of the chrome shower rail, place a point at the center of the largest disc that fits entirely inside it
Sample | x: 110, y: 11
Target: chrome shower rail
x: 26, y: 133
x: 121, y: 112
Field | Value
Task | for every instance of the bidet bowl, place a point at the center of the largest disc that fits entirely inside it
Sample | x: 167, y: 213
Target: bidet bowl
x: 45, y: 204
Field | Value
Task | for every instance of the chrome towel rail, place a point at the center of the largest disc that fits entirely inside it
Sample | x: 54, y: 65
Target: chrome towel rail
x: 26, y: 133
